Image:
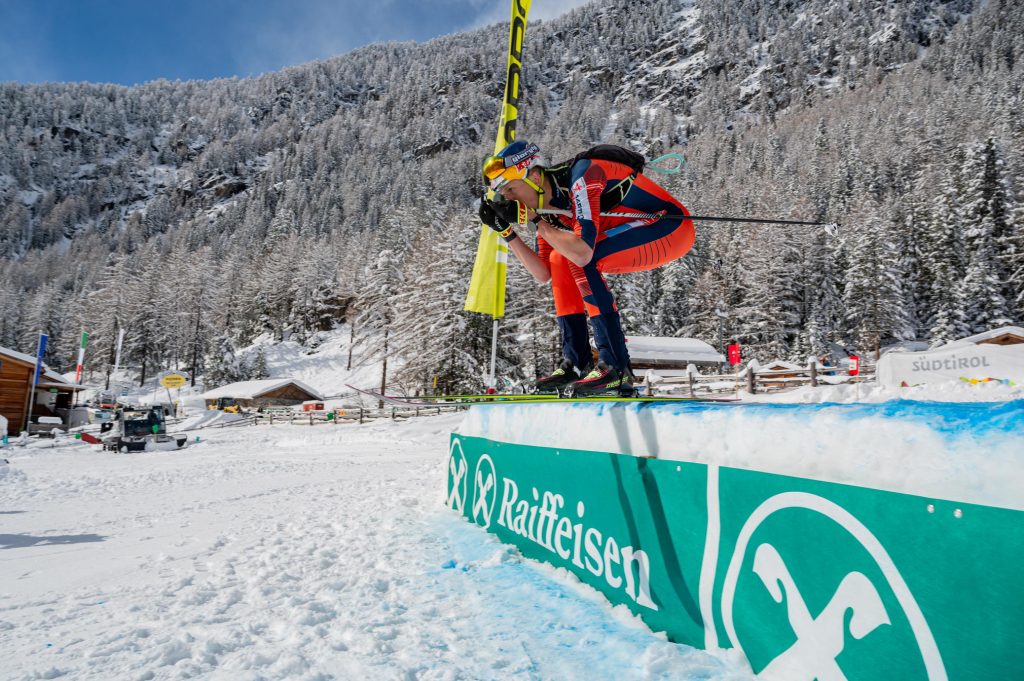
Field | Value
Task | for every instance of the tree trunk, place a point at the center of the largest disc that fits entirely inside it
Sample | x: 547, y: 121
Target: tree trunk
x: 384, y: 370
x: 111, y: 356
x: 195, y: 342
x: 351, y: 342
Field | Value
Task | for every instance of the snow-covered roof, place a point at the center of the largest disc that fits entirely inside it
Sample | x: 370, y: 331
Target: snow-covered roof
x: 666, y: 349
x: 780, y: 365
x: 48, y: 375
x: 989, y: 335
x: 904, y: 346
x: 248, y: 390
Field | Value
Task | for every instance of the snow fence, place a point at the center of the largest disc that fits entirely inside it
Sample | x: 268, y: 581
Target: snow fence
x: 820, y: 541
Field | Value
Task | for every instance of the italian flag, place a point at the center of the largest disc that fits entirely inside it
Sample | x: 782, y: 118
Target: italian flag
x: 81, y: 356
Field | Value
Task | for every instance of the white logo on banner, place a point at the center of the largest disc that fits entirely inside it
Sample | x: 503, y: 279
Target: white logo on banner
x: 820, y: 639
x: 485, y: 491
x: 457, y: 469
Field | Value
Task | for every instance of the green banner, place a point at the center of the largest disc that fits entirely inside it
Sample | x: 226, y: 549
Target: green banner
x: 808, y: 579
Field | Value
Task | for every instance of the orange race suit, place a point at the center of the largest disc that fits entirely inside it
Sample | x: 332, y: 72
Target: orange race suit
x: 620, y: 245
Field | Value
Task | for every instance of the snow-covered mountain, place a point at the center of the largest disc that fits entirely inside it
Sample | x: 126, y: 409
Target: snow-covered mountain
x: 199, y: 215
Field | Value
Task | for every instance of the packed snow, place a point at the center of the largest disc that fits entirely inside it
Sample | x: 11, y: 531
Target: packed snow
x: 971, y: 452
x: 289, y: 552
x: 327, y: 552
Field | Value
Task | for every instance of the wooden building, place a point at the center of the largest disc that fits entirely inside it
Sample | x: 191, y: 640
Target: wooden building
x: 1004, y: 335
x: 272, y: 392
x: 670, y: 356
x: 54, y: 394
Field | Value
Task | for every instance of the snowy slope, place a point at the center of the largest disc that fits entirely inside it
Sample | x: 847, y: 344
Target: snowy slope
x: 325, y: 369
x: 288, y: 552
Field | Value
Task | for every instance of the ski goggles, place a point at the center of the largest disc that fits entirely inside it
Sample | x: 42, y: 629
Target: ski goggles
x: 497, y: 175
x: 500, y: 170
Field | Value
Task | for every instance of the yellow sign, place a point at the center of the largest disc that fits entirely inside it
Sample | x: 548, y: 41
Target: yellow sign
x: 173, y: 381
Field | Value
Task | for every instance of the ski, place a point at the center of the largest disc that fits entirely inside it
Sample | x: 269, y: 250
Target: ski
x: 436, y: 400
x: 542, y: 398
x: 490, y: 396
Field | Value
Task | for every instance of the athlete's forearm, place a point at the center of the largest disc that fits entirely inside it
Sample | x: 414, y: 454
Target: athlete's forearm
x: 566, y: 243
x: 531, y: 261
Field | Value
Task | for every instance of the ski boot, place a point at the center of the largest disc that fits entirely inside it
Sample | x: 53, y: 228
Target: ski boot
x: 564, y: 375
x: 604, y: 379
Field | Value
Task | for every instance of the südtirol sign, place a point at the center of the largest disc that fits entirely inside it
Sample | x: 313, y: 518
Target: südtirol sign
x: 953, y: 363
x: 809, y: 579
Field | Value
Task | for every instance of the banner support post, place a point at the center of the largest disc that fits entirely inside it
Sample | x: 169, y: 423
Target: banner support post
x: 491, y: 380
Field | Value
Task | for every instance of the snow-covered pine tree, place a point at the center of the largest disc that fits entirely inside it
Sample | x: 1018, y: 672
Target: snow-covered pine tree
x: 986, y: 228
x: 770, y: 303
x: 375, y: 302
x: 222, y: 364
x: 943, y: 258
x: 258, y: 369
x: 638, y: 296
x: 430, y: 330
x: 148, y: 327
x: 873, y: 296
x: 672, y: 312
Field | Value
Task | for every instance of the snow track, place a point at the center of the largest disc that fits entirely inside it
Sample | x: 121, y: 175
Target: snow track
x: 283, y: 553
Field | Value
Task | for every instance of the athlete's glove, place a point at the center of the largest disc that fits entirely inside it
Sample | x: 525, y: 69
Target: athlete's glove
x: 496, y: 220
x: 505, y: 209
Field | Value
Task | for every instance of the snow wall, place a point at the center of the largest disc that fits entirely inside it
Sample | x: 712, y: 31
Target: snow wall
x: 868, y: 541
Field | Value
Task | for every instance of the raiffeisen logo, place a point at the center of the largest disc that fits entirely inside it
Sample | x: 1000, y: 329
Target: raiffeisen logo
x: 484, y: 492
x: 539, y: 519
x: 457, y: 469
x: 810, y: 593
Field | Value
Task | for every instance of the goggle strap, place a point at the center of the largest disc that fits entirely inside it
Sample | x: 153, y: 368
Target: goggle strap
x: 539, y: 190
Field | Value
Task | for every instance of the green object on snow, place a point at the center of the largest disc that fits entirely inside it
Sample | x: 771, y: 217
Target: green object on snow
x: 794, y: 573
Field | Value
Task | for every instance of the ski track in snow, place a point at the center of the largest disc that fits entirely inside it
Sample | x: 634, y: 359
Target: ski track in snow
x: 289, y: 552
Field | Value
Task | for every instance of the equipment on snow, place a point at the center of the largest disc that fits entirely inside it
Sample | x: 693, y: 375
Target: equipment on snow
x: 605, y: 378
x: 564, y: 374
x: 538, y: 398
x: 133, y: 429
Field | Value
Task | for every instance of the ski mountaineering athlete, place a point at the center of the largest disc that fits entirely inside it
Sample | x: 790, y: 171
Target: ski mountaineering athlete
x: 575, y: 251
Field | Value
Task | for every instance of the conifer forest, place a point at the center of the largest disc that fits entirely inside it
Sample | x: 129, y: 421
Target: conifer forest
x: 199, y: 216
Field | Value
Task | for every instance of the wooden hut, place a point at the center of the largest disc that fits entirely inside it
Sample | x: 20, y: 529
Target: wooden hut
x: 54, y: 394
x: 1004, y: 335
x: 272, y: 392
x: 670, y: 356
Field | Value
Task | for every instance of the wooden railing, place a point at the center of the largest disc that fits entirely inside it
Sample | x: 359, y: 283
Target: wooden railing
x: 350, y: 415
x: 760, y: 380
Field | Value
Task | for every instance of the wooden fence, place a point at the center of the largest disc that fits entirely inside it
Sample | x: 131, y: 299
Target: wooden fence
x: 348, y: 415
x: 757, y: 380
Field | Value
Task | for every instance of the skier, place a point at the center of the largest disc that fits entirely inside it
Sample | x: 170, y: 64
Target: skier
x: 575, y: 253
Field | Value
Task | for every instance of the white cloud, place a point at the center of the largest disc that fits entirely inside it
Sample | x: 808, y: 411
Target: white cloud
x: 317, y: 29
x: 492, y: 12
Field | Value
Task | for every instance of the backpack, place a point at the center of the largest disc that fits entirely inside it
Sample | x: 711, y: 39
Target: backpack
x: 561, y: 173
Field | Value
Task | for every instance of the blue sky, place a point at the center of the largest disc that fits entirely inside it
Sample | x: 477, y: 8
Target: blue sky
x: 132, y: 41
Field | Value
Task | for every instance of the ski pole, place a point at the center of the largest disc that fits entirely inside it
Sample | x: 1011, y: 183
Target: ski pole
x: 832, y: 228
